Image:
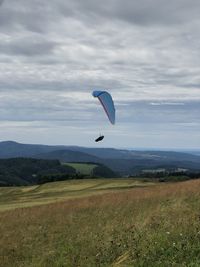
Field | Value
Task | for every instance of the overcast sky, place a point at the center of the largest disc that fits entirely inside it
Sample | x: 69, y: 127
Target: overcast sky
x: 146, y: 53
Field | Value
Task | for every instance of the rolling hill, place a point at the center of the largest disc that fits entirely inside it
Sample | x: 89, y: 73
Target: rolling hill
x: 125, y: 162
x: 29, y: 171
x: 66, y: 155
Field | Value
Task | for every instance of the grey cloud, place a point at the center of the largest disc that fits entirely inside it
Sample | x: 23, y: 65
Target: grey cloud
x: 166, y: 113
x: 53, y: 55
x: 17, y: 15
x: 27, y: 47
x: 143, y: 12
x: 39, y: 17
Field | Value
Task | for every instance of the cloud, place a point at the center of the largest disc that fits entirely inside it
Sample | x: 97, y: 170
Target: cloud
x: 143, y: 13
x: 146, y: 53
x: 31, y: 47
x: 167, y: 103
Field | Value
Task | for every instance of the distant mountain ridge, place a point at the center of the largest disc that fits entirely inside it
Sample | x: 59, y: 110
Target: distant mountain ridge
x: 10, y: 149
x: 120, y: 160
x: 68, y: 155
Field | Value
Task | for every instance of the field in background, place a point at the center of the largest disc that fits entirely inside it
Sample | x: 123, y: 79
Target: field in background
x: 140, y: 226
x: 83, y: 168
x: 26, y: 196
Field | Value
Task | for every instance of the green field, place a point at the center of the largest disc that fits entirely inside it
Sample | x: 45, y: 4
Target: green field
x: 83, y: 168
x: 117, y: 223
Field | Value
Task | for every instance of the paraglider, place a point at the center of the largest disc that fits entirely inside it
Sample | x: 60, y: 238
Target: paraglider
x: 107, y: 102
x: 100, y: 138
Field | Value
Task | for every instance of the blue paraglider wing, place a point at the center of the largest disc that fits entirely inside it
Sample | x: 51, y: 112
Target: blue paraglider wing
x: 107, y: 103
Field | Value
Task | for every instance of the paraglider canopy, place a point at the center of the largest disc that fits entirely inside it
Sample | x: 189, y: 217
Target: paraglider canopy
x: 107, y: 102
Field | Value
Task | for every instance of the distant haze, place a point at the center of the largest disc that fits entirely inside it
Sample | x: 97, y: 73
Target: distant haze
x: 145, y: 53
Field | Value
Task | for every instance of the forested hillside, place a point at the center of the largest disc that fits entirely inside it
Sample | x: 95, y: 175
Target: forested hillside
x: 28, y: 171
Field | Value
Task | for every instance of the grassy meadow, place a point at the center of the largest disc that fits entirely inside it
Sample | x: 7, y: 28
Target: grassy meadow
x: 82, y: 168
x: 27, y: 196
x: 114, y: 223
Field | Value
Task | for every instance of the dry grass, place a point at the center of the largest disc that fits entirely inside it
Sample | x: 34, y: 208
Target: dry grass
x: 155, y: 226
x: 19, y: 197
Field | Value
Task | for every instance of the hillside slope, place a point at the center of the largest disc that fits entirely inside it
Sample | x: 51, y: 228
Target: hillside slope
x: 152, y: 226
x: 66, y: 155
x: 126, y: 162
x: 27, y: 171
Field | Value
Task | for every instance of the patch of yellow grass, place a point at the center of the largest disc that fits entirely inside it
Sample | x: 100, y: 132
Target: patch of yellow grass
x: 13, y: 197
x: 150, y: 226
